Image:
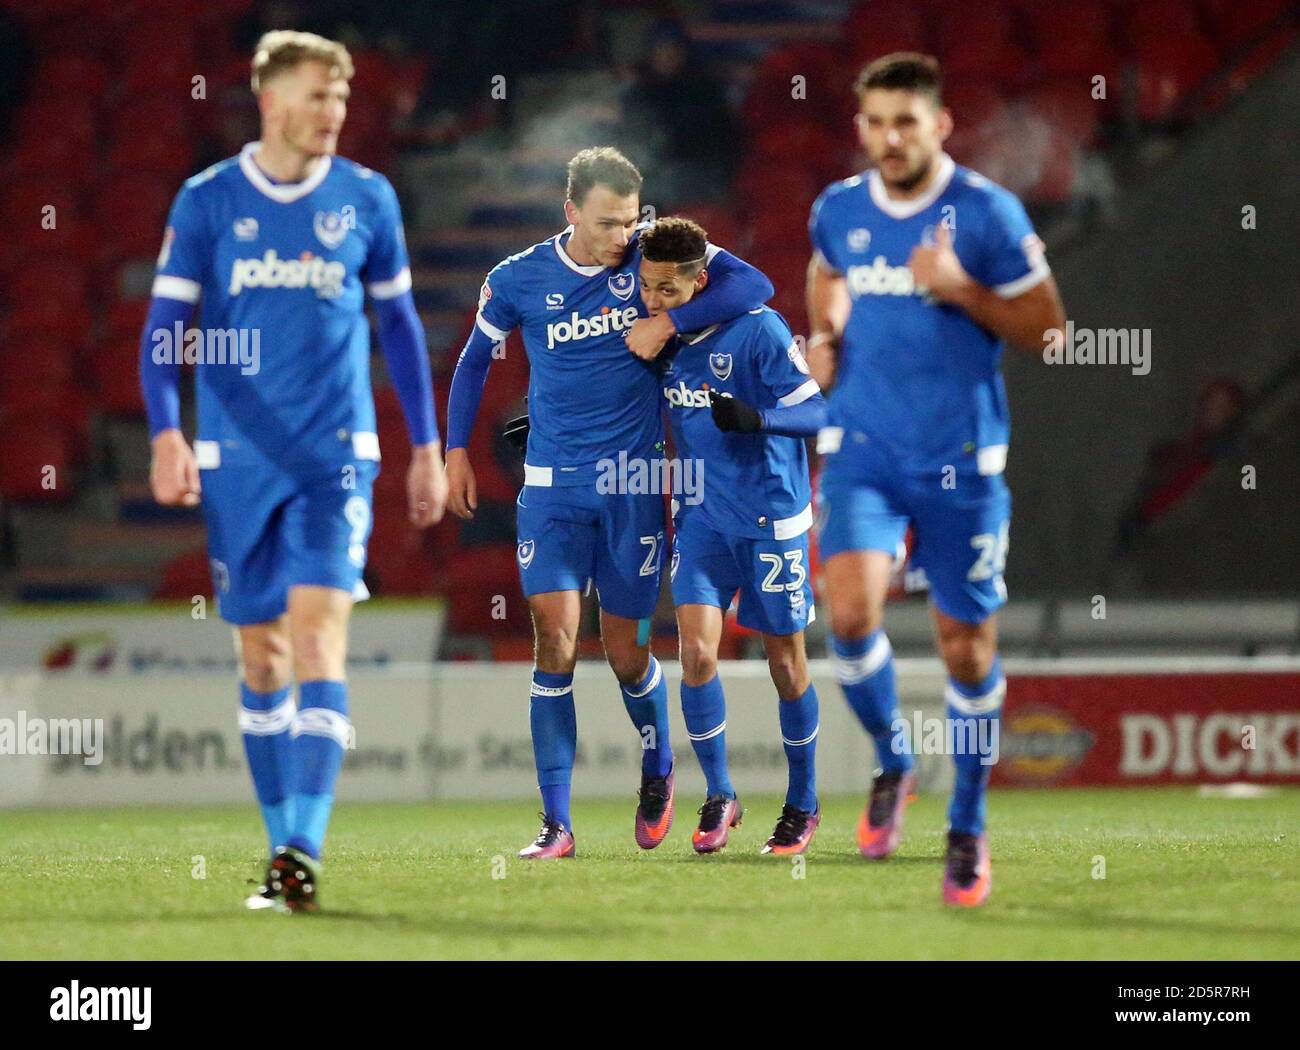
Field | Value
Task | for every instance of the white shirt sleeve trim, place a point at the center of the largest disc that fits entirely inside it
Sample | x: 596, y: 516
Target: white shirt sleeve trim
x: 490, y: 330
x: 800, y: 394
x: 393, y: 287
x: 1020, y: 285
x: 182, y: 289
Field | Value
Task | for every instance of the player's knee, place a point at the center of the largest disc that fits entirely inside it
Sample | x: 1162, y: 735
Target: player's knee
x: 789, y: 673
x: 629, y: 665
x: 317, y: 652
x: 854, y: 620
x: 699, y: 661
x: 266, y: 675
x: 266, y: 663
x: 556, y: 648
x: 968, y: 659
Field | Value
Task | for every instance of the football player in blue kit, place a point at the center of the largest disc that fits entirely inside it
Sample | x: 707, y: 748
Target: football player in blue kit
x: 741, y: 403
x: 922, y: 270
x: 277, y: 247
x: 595, y: 421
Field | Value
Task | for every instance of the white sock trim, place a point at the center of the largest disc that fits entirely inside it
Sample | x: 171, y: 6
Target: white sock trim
x: 977, y: 705
x: 267, y: 723
x: 710, y: 734
x: 806, y: 740
x: 321, y: 721
x: 656, y: 673
x: 851, y: 670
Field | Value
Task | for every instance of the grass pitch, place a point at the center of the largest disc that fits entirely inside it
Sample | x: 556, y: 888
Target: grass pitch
x: 1185, y: 877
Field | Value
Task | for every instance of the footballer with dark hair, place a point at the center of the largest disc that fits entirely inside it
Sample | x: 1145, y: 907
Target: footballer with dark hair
x: 593, y: 400
x: 741, y: 403
x: 921, y: 271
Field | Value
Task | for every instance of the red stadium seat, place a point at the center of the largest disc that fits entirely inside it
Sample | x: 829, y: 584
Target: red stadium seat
x: 31, y: 360
x: 397, y: 555
x: 185, y: 576
x: 771, y: 96
x: 1168, y: 70
x: 817, y: 146
x: 1049, y: 23
x: 1236, y: 21
x: 1001, y: 62
x: 60, y: 281
x: 477, y: 576
x: 1159, y: 21
x: 163, y: 40
x: 1069, y: 106
x: 879, y: 27
x: 38, y: 453
x: 23, y: 201
x: 153, y: 114
x: 974, y: 102
x: 765, y: 189
x: 74, y: 116
x: 116, y: 369
x: 961, y: 26
x: 126, y: 317
x: 72, y: 73
x: 69, y: 323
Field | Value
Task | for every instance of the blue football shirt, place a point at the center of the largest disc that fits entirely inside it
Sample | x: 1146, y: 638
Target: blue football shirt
x: 284, y: 267
x: 919, y: 380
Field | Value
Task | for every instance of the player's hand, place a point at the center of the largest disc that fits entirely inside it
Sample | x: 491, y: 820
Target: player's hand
x: 173, y: 471
x: 648, y: 335
x: 731, y: 414
x: 426, y: 485
x: 936, y: 268
x: 463, y: 491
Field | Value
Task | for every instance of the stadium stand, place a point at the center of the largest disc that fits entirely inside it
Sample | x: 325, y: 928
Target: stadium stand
x: 479, y: 181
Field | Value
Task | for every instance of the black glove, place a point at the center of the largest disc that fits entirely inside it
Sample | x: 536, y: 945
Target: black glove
x: 731, y: 414
x: 516, y: 433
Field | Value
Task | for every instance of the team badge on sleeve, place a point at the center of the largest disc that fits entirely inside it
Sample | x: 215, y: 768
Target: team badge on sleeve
x: 796, y: 357
x: 484, y: 295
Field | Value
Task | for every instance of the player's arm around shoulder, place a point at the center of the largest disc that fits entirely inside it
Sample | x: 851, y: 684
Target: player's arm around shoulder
x: 1017, y: 300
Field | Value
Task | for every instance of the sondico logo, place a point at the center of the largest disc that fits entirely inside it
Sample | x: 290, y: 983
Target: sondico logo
x: 682, y: 396
x: 879, y: 279
x: 270, y: 271
x: 577, y: 327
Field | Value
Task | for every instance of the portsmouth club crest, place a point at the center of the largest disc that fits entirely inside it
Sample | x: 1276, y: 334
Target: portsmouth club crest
x: 623, y: 285
x: 331, y: 227
x: 526, y: 551
x: 720, y: 365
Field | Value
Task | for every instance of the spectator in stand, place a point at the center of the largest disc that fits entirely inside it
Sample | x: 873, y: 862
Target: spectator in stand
x: 676, y: 118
